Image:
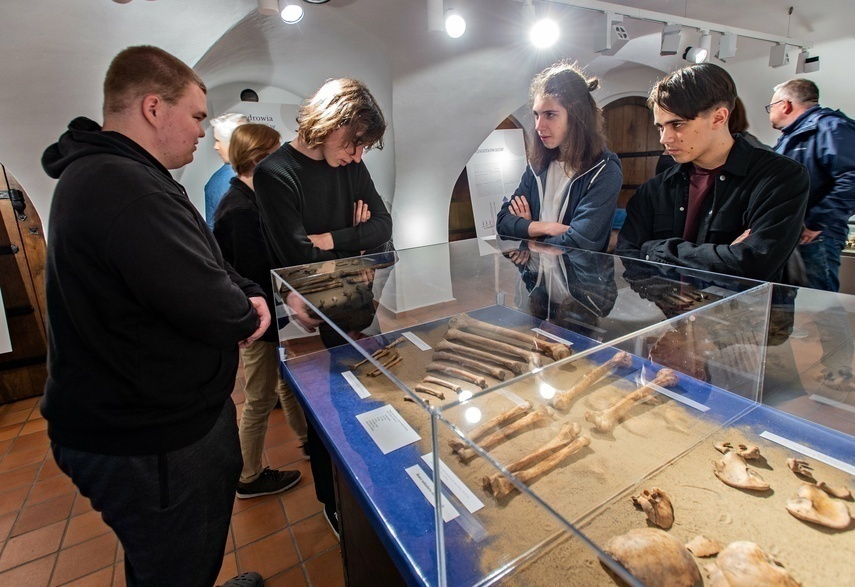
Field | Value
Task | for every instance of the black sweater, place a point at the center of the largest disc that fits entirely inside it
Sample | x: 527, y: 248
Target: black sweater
x: 298, y: 196
x: 144, y: 315
x: 756, y: 189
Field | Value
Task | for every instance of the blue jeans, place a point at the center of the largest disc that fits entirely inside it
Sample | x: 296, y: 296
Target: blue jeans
x: 822, y: 262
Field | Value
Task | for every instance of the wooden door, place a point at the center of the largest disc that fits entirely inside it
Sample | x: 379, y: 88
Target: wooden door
x: 23, y: 372
x: 632, y: 137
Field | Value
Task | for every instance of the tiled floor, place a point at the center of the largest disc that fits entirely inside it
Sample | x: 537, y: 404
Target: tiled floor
x: 49, y: 534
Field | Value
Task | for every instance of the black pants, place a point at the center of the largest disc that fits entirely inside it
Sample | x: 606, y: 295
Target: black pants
x: 321, y: 468
x: 170, y: 511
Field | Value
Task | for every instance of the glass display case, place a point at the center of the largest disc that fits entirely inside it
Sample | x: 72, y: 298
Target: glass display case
x: 566, y: 396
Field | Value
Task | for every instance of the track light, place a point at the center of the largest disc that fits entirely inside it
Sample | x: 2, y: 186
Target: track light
x: 806, y: 63
x: 440, y: 19
x: 778, y: 56
x: 290, y: 13
x: 671, y: 34
x: 611, y: 35
x: 726, y: 47
x: 455, y: 25
x: 544, y: 33
x: 700, y: 53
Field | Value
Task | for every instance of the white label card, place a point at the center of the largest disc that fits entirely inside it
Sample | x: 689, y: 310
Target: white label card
x: 807, y: 451
x: 422, y: 345
x: 455, y: 485
x: 356, y: 384
x: 425, y: 485
x: 388, y: 429
x: 542, y: 332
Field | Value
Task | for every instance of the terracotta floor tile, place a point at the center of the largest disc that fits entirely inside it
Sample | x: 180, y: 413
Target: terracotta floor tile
x: 277, y: 435
x: 300, y: 503
x: 326, y: 569
x: 270, y: 555
x: 313, y: 536
x: 50, y: 468
x: 32, y: 545
x: 34, y: 574
x: 119, y: 575
x: 19, y: 477
x: 6, y: 523
x: 10, y: 431
x: 50, y: 488
x: 228, y: 570
x: 13, y: 500
x: 5, y: 445
x: 33, y: 426
x: 26, y: 441
x: 81, y: 505
x: 230, y: 540
x: 22, y: 459
x: 96, y: 579
x: 83, y: 559
x: 258, y: 522
x: 245, y: 504
x: 84, y: 527
x: 22, y: 404
x: 10, y: 418
x: 291, y: 578
x: 277, y: 418
x: 44, y: 513
x: 283, y: 455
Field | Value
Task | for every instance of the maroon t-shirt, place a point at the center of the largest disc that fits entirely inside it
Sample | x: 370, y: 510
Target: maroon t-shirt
x: 700, y: 185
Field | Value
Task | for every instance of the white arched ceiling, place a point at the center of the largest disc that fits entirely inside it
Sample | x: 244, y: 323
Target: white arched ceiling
x: 441, y: 96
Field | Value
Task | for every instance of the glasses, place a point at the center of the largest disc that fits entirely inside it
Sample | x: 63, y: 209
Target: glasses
x: 769, y: 106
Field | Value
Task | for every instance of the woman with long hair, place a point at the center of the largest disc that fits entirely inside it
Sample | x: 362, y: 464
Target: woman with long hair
x: 568, y: 193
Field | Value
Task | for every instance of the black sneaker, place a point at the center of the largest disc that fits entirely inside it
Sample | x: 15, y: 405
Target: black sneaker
x: 250, y: 579
x: 332, y: 519
x: 269, y: 482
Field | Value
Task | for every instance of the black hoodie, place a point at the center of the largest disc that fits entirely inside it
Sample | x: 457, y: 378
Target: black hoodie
x: 144, y: 315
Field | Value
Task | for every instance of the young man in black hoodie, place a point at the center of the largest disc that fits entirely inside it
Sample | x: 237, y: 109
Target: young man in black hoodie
x: 145, y: 319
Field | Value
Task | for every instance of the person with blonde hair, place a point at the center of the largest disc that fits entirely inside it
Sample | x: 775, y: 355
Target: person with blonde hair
x: 222, y: 126
x: 568, y: 193
x: 237, y: 230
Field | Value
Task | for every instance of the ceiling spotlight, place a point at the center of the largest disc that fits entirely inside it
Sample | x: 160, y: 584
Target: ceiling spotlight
x: 670, y: 39
x: 611, y: 35
x: 544, y: 33
x: 316, y: 1
x: 455, y: 25
x: 268, y: 7
x: 726, y: 47
x: 290, y: 13
x: 700, y: 53
x: 806, y: 63
x: 778, y: 56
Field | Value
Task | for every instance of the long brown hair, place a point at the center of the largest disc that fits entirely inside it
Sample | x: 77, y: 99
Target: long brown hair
x: 342, y: 102
x: 250, y: 144
x: 585, y: 140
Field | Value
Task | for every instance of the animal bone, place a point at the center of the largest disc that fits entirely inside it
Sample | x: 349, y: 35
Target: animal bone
x: 620, y: 359
x: 554, y: 350
x: 493, y: 345
x: 409, y: 399
x: 499, y: 436
x: 732, y: 470
x: 458, y: 373
x: 812, y: 505
x: 496, y: 422
x: 749, y: 453
x: 390, y: 362
x: 801, y: 468
x: 443, y: 383
x: 503, y: 486
x: 606, y: 420
x: 567, y: 434
x: 702, y: 547
x: 320, y: 288
x: 657, y: 505
x: 514, y: 367
x: 655, y: 558
x: 378, y: 354
x: 474, y: 365
x: 744, y: 564
x: 838, y: 492
x: 422, y: 389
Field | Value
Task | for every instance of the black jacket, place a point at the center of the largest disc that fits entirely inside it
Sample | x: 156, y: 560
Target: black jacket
x: 756, y: 189
x: 144, y: 315
x: 237, y: 229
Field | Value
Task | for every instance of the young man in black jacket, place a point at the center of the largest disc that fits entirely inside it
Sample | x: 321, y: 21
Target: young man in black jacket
x: 145, y: 319
x: 728, y: 207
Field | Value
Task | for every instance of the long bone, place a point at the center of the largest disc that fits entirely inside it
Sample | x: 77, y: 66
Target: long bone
x: 459, y: 374
x: 390, y: 362
x: 563, y: 400
x: 470, y: 364
x: 536, y: 417
x: 606, y: 420
x: 503, y: 486
x: 424, y: 389
x: 493, y: 345
x: 554, y: 350
x: 496, y: 422
x: 443, y: 383
x: 515, y: 367
x: 382, y: 351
